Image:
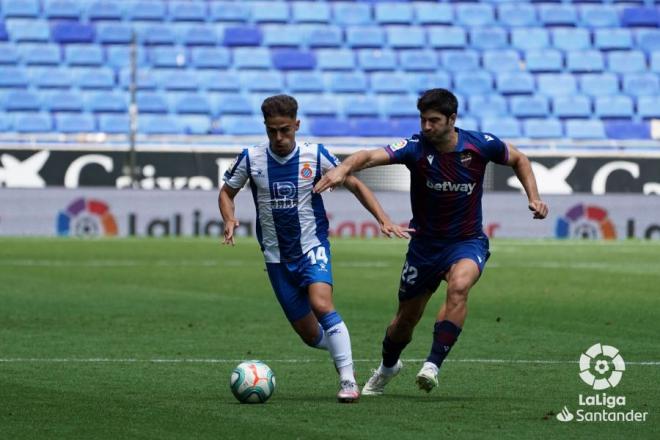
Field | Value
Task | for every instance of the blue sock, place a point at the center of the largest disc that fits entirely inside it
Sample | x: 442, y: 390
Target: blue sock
x: 392, y: 351
x: 445, y: 334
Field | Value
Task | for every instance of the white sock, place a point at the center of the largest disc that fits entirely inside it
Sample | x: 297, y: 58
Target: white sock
x: 323, y: 342
x: 387, y: 370
x: 339, y: 345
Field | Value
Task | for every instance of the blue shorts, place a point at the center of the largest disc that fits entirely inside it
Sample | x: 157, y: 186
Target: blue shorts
x: 290, y: 280
x: 428, y: 260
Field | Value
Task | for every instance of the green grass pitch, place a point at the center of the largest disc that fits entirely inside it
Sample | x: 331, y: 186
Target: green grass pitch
x: 136, y: 338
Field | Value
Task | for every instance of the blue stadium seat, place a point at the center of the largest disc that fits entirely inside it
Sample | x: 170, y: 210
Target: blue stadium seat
x: 75, y: 123
x: 4, y: 36
x: 599, y: 16
x: 65, y: 32
x: 655, y: 62
x: 62, y: 9
x: 151, y: 102
x: 614, y: 106
x: 152, y: 34
x: 24, y: 30
x: 370, y: 59
x: 488, y: 38
x: 33, y: 122
x: 50, y: 77
x: 146, y: 80
x: 550, y: 84
x: 387, y: 82
x: 104, y: 10
x: 475, y: 14
x: 8, y: 54
x: 221, y: 81
x: 503, y: 127
x: 548, y: 128
x: 371, y: 127
x: 323, y: 36
x: 229, y: 11
x: 418, y: 60
x: 120, y: 56
x: 648, y: 40
x: 11, y: 77
x: 447, y: 37
x: 516, y: 14
x: 329, y: 126
x: 406, y: 127
x: 93, y: 78
x: 106, y: 102
x: 393, y: 13
x: 148, y: 10
x: 6, y: 122
x: 361, y: 106
x: 571, y: 38
x: 351, y: 14
x: 585, y: 61
x: 252, y: 58
x: 232, y: 104
x: 406, y: 37
x: 20, y: 8
x: 242, y: 36
x: 270, y: 12
x: 515, y: 83
x: 585, y: 129
x: 640, y: 16
x: 113, y: 33
x: 529, y: 38
x: 195, y: 124
x: 616, y: 129
x: 347, y: 82
x: 421, y: 82
x: 160, y: 124
x: 187, y: 11
x: 293, y: 59
x: 114, y: 124
x: 305, y: 82
x: 464, y: 123
x: 626, y: 62
x: 535, y: 106
x: 310, y: 12
x: 277, y: 35
x: 648, y: 108
x: 460, y: 60
x: 399, y: 106
x: 199, y: 35
x: 84, y: 55
x: 573, y: 106
x: 175, y: 79
x: 39, y: 54
x: 167, y: 57
x: 506, y: 60
x: 210, y: 58
x: 318, y: 105
x: 335, y: 59
x: 22, y: 100
x: 241, y: 125
x: 481, y: 106
x: 548, y: 60
x: 473, y: 83
x: 192, y: 103
x: 365, y: 36
x: 557, y: 15
x: 599, y: 84
x: 613, y: 39
x: 433, y: 13
x: 271, y: 81
x: 642, y: 84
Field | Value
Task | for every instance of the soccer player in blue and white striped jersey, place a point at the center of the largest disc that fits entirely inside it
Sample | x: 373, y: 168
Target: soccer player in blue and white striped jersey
x: 292, y: 229
x: 447, y: 166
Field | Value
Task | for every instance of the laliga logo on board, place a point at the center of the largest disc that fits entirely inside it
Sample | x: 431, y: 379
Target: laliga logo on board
x: 86, y: 218
x: 585, y: 221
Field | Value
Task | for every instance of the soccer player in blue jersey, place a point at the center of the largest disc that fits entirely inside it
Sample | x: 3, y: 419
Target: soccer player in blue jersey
x: 292, y: 229
x: 447, y: 166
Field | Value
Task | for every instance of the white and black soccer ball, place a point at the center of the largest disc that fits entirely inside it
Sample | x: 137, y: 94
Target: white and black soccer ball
x: 252, y: 382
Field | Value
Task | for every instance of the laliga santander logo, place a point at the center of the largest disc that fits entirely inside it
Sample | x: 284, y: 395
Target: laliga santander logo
x: 585, y: 221
x: 607, y: 364
x: 86, y: 218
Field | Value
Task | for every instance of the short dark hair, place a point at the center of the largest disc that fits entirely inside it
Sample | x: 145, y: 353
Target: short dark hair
x: 440, y: 100
x: 279, y: 105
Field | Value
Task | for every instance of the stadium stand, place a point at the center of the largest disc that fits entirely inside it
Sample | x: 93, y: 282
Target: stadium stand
x: 534, y: 69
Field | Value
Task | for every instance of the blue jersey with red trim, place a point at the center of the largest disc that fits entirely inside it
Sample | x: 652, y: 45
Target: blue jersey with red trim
x: 446, y: 188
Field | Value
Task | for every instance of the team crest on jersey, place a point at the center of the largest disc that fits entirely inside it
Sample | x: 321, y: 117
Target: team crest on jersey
x: 306, y: 172
x: 466, y: 158
x: 488, y: 138
x: 398, y: 144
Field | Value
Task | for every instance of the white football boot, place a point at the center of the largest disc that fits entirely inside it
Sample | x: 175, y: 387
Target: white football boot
x: 427, y: 378
x: 375, y: 386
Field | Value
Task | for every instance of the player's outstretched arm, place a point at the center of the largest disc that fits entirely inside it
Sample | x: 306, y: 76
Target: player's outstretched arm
x: 370, y: 202
x: 355, y: 162
x: 227, y: 210
x: 523, y: 169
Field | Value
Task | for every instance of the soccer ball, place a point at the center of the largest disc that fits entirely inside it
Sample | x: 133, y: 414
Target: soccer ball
x: 252, y: 382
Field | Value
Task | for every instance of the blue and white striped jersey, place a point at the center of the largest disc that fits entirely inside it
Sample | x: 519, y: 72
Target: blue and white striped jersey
x: 291, y: 219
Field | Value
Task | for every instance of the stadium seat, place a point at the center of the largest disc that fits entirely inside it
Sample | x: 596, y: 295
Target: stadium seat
x: 642, y: 84
x: 62, y: 9
x: 550, y: 84
x: 371, y: 127
x: 447, y: 37
x: 270, y: 12
x: 310, y: 12
x: 475, y: 14
x: 50, y: 77
x: 515, y: 83
x: 322, y: 36
x: 573, y: 106
x: 8, y: 54
x: 210, y: 58
x: 614, y: 106
x: 387, y: 82
x: 405, y: 37
x: 347, y: 82
x: 93, y: 78
x: 146, y: 10
x: 571, y: 39
x: 647, y: 107
x: 195, y: 124
x: 418, y: 60
x: 481, y: 106
x: 548, y: 60
x: 114, y: 124
x: 585, y: 129
x: 4, y: 36
x: 106, y: 102
x: 242, y: 36
x: 152, y: 34
x: 599, y: 84
x: 33, y: 123
x: 360, y: 106
x: 529, y: 38
x: 146, y: 80
x: 199, y: 35
x: 488, y: 38
x: 305, y: 82
x: 351, y: 14
x: 232, y: 104
x: 473, y: 83
x: 616, y: 129
x: 241, y: 125
x: 271, y: 81
x: 24, y: 30
x: 400, y: 106
x: 187, y: 11
x: 222, y: 81
x: 175, y: 79
x: 277, y: 35
x: 421, y: 82
x: 506, y: 60
x: 293, y: 59
x: 22, y: 100
x: 535, y: 106
x: 329, y: 126
x: 365, y: 36
x: 160, y: 124
x: 20, y: 8
x: 648, y: 40
x: 370, y: 59
x: 585, y: 61
x: 84, y: 55
x: 557, y: 14
x: 151, y: 102
x: 335, y: 59
x: 11, y: 77
x: 167, y: 56
x: 406, y: 127
x: 393, y: 13
x: 655, y: 62
x: 192, y: 103
x: 599, y: 16
x: 6, y: 122
x: 433, y: 13
x: 229, y: 11
x: 613, y: 39
x: 464, y: 123
x: 39, y: 54
x: 104, y: 10
x: 626, y: 62
x: 640, y: 16
x: 113, y: 33
x: 503, y: 127
x: 460, y: 60
x: 318, y: 105
x: 120, y: 56
x: 547, y: 128
x: 75, y: 123
x: 516, y: 15
x: 65, y: 32
x: 252, y: 58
